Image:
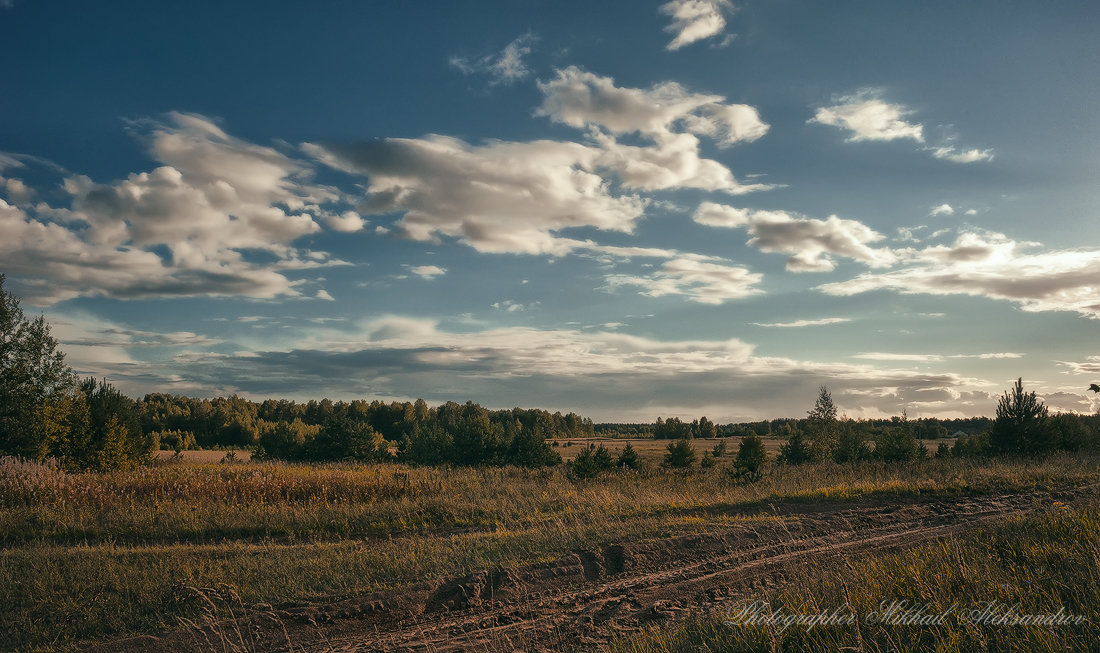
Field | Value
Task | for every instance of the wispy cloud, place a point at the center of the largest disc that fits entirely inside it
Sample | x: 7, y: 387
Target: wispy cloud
x: 505, y: 67
x: 700, y: 279
x: 696, y: 20
x: 804, y: 323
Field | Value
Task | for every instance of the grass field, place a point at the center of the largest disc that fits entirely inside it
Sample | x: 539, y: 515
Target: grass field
x: 972, y: 592
x: 90, y: 557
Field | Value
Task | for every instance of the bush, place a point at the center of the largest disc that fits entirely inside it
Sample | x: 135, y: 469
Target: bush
x: 751, y: 456
x: 680, y: 454
x: 590, y: 461
x: 628, y: 458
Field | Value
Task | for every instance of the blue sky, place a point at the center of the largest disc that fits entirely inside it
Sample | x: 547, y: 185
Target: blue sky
x: 626, y: 209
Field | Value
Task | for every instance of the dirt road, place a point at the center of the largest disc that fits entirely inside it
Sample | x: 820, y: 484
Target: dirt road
x: 584, y: 599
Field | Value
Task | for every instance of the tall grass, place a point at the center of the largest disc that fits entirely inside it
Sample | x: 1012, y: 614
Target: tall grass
x: 92, y: 556
x: 972, y: 586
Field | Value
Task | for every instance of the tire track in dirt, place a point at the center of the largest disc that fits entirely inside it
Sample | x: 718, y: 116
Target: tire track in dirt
x: 584, y: 599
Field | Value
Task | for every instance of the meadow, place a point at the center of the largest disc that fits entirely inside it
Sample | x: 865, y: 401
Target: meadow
x: 89, y: 557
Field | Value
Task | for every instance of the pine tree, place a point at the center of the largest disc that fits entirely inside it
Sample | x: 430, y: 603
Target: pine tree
x: 628, y: 458
x: 680, y: 454
x: 1022, y: 424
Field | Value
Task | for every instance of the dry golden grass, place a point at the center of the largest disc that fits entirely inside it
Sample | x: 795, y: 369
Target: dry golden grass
x: 93, y: 556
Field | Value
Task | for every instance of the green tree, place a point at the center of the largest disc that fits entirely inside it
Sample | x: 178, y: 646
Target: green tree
x: 590, y: 461
x: 851, y: 445
x: 797, y: 450
x: 1022, y: 425
x: 342, y: 438
x: 680, y: 454
x: 33, y: 374
x: 896, y: 444
x: 751, y: 456
x: 822, y: 429
x: 628, y: 458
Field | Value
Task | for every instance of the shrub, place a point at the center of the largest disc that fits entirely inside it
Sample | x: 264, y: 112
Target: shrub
x: 680, y: 454
x: 751, y: 456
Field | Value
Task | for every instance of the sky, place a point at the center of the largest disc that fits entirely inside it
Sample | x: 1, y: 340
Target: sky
x: 624, y: 209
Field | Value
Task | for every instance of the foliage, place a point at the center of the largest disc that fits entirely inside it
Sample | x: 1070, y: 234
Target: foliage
x: 1022, y: 425
x: 751, y: 456
x: 822, y: 428
x: 897, y: 444
x: 35, y: 383
x: 797, y: 450
x: 680, y: 454
x: 591, y: 461
x: 851, y: 444
x: 628, y: 458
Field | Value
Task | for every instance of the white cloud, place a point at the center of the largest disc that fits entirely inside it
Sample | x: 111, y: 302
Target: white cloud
x: 869, y: 118
x: 950, y: 153
x: 348, y: 222
x: 177, y: 230
x: 582, y: 99
x: 518, y: 196
x: 992, y: 265
x: 498, y: 197
x: 971, y: 212
x: 696, y: 278
x: 428, y: 272
x: 695, y: 20
x: 910, y: 358
x: 811, y: 243
x: 943, y: 209
x: 506, y: 67
x: 510, y: 306
x: 804, y: 323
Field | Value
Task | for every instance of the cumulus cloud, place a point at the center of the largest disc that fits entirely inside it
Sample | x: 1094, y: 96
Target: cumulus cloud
x: 869, y: 118
x: 695, y: 20
x: 505, y: 67
x: 348, y: 221
x: 517, y: 197
x: 943, y: 209
x: 811, y: 243
x: 994, y: 266
x: 428, y: 272
x: 698, y: 278
x: 581, y: 99
x: 180, y: 229
x: 497, y: 197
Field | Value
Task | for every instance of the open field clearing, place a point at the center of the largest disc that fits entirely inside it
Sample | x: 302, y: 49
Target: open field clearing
x: 98, y: 557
